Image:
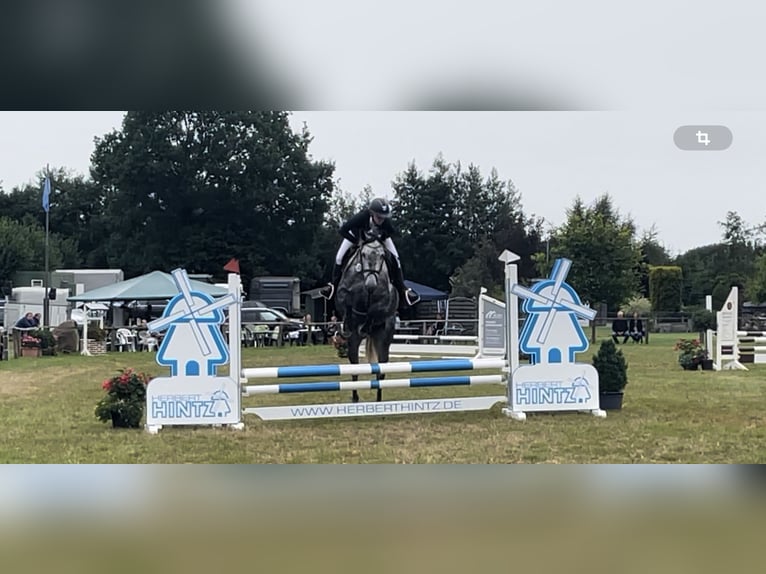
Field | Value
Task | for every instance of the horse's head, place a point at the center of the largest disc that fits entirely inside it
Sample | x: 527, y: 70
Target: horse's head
x: 371, y: 265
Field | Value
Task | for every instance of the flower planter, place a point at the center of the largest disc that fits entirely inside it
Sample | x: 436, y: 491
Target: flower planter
x: 125, y: 399
x: 707, y: 364
x: 96, y: 347
x: 30, y: 351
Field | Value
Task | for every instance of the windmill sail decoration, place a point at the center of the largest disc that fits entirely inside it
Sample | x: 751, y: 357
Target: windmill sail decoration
x: 193, y: 347
x: 552, y: 336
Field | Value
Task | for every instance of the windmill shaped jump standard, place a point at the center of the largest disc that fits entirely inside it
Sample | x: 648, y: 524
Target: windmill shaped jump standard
x: 552, y: 336
x: 193, y: 347
x: 556, y: 299
x: 190, y: 311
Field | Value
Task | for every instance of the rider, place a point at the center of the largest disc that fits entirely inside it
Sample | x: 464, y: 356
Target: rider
x: 374, y: 218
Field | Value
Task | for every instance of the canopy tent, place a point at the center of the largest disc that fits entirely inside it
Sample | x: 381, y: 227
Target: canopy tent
x: 426, y: 293
x: 153, y: 286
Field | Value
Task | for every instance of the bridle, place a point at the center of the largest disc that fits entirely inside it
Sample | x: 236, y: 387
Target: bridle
x: 360, y: 268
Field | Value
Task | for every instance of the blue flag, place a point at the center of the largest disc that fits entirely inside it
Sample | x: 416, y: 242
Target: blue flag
x: 46, y: 194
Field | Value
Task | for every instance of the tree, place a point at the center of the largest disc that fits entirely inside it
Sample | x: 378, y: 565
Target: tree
x: 652, y: 253
x: 601, y: 244
x: 454, y: 217
x: 756, y: 289
x: 194, y: 189
x: 665, y: 285
x: 702, y: 267
x: 479, y: 271
x: 22, y: 247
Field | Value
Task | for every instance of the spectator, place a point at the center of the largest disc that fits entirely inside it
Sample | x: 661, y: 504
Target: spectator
x: 620, y: 329
x: 636, y: 328
x: 310, y: 328
x: 437, y: 328
x: 37, y: 319
x: 26, y: 322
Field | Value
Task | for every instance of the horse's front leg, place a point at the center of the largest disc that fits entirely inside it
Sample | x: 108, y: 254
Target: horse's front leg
x: 353, y: 358
x: 382, y: 350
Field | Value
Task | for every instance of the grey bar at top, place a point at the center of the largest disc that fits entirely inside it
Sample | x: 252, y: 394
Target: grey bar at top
x: 703, y: 138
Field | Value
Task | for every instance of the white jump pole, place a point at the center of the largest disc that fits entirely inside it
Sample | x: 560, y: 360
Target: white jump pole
x: 511, y: 329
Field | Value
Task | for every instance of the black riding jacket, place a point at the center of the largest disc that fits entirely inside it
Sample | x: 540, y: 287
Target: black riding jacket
x: 361, y: 223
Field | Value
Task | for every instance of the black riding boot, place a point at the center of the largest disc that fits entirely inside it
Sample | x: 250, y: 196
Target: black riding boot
x: 328, y: 292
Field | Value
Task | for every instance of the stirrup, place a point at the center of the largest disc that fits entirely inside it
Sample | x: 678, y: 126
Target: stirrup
x: 411, y: 297
x: 327, y: 291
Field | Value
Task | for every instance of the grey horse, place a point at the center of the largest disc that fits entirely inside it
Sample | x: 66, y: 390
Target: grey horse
x: 367, y: 302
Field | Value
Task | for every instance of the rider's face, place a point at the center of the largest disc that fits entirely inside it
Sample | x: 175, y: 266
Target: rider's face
x: 378, y: 219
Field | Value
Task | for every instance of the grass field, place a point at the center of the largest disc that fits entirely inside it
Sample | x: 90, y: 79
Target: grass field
x: 668, y: 416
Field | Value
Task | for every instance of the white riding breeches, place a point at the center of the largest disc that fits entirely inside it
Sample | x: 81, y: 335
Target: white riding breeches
x: 346, y: 245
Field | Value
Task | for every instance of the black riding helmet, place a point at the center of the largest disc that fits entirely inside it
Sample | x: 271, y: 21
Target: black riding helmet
x: 381, y: 207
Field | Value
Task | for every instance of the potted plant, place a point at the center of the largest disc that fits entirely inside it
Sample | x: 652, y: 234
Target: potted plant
x: 341, y: 345
x: 125, y: 399
x: 612, y: 370
x: 691, y: 353
x: 47, y: 340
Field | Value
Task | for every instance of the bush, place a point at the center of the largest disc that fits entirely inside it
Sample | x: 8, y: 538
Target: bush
x: 637, y: 304
x: 96, y: 333
x: 611, y: 366
x: 703, y: 320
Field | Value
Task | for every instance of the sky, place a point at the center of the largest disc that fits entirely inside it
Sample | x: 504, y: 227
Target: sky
x: 551, y: 157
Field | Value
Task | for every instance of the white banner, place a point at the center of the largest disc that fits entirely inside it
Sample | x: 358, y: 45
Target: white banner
x: 192, y: 400
x: 555, y: 387
x: 376, y: 408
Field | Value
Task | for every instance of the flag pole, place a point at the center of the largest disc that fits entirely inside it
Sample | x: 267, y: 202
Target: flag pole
x: 46, y: 301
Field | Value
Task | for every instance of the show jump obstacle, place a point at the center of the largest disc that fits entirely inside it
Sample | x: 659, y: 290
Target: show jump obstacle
x: 731, y: 347
x: 194, y: 348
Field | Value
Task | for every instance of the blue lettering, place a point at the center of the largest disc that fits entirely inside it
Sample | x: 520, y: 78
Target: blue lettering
x: 545, y: 394
x: 180, y: 409
x: 159, y: 409
x: 522, y: 396
x: 183, y: 409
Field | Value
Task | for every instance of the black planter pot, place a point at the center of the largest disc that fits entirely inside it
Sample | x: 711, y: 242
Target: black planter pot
x: 610, y: 400
x: 707, y: 364
x: 119, y: 422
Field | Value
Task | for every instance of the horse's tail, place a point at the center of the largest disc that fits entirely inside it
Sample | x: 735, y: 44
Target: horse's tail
x: 369, y: 350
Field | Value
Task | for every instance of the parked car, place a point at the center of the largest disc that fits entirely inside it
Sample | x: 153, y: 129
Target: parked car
x: 274, y: 320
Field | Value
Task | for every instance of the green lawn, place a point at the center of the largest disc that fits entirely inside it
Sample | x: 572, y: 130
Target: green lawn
x: 669, y: 415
